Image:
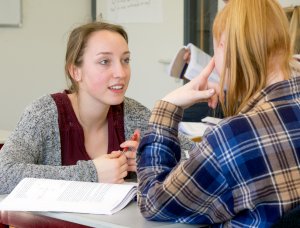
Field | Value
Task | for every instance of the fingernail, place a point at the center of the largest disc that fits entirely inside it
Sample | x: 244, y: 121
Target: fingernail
x: 211, y: 91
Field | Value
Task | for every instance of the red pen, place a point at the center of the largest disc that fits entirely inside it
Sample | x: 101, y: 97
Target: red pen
x: 134, y: 137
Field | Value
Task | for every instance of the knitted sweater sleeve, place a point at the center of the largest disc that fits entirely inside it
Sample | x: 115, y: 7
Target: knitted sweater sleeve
x: 33, y: 149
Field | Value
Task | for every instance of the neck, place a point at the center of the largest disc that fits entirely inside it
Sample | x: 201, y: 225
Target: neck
x: 275, y: 77
x: 276, y: 70
x: 89, y: 115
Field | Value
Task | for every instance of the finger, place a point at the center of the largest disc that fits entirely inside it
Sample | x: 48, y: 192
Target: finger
x: 115, y: 154
x: 204, y: 94
x: 133, y: 141
x: 130, y: 154
x: 186, y: 56
x: 213, y: 85
x: 131, y: 162
x: 119, y: 157
x: 129, y: 145
x: 205, y: 73
x: 137, y: 134
x: 213, y: 101
x: 120, y: 181
x: 132, y: 168
x: 123, y: 167
x: 124, y: 174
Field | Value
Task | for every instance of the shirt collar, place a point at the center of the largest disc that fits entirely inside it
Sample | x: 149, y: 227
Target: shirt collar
x: 283, y: 90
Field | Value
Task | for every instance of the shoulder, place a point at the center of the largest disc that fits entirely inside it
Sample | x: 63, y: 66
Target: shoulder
x: 231, y: 126
x: 136, y: 116
x: 38, y: 120
x: 42, y: 110
x: 233, y: 132
x: 136, y: 108
x: 42, y: 105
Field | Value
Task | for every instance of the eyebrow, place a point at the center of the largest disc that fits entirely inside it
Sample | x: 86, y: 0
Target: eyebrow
x: 110, y: 53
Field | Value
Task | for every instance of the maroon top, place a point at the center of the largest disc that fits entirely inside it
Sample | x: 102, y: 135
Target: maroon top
x: 71, y: 132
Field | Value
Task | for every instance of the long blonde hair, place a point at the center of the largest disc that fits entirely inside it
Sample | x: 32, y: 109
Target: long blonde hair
x: 295, y: 30
x: 257, y: 33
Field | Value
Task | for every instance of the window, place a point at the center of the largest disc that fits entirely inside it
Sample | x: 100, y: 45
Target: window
x: 198, y: 20
x: 293, y: 14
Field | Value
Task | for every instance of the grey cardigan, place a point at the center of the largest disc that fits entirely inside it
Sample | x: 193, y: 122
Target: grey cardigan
x: 33, y: 148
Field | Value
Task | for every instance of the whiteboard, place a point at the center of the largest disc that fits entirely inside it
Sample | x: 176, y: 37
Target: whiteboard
x: 10, y: 13
x: 134, y: 11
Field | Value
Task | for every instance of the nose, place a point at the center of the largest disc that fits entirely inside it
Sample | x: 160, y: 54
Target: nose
x: 120, y: 70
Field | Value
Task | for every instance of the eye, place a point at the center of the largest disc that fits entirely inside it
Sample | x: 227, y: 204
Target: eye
x: 127, y: 60
x: 104, y: 62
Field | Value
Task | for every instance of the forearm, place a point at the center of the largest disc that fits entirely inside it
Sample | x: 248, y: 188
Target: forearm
x: 159, y: 153
x: 12, y: 171
x: 22, y: 158
x: 163, y: 129
x: 188, y: 191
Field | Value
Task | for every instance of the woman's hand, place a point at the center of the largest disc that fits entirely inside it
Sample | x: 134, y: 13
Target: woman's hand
x: 187, y: 55
x: 111, y: 168
x: 130, y: 149
x: 197, y: 90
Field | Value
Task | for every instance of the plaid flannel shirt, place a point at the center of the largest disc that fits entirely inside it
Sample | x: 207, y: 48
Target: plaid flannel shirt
x: 244, y: 173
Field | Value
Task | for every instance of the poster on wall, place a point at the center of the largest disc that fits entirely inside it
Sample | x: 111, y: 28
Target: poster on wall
x: 135, y: 11
x: 289, y: 3
x: 10, y: 13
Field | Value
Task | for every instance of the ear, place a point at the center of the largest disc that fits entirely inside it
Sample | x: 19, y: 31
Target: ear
x: 74, y: 72
x: 222, y: 41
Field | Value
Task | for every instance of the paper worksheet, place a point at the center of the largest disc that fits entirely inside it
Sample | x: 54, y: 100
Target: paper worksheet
x: 35, y: 194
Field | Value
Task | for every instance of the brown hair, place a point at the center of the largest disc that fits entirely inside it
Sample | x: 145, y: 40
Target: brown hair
x: 77, y: 43
x: 257, y: 33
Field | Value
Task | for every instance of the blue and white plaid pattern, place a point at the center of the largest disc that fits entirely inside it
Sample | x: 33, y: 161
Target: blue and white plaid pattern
x: 244, y: 173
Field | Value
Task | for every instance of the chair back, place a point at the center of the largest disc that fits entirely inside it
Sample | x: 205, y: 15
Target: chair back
x: 289, y: 220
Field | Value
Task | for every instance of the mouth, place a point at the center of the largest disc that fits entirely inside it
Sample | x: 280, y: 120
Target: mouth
x: 116, y: 87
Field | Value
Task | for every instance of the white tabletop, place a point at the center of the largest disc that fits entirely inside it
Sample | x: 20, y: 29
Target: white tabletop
x: 127, y: 217
x: 4, y: 135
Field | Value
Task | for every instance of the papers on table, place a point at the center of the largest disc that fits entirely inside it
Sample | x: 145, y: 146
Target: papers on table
x: 33, y: 194
x: 197, y: 129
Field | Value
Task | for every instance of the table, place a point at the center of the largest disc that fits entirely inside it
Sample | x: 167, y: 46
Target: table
x: 128, y: 217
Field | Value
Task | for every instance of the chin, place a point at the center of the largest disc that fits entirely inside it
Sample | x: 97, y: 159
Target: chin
x: 116, y: 101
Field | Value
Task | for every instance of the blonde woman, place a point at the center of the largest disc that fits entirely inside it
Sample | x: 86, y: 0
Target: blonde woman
x: 246, y: 171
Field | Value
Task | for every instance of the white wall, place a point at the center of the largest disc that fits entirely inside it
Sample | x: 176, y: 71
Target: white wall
x: 288, y: 3
x: 284, y: 3
x: 150, y: 45
x: 32, y: 56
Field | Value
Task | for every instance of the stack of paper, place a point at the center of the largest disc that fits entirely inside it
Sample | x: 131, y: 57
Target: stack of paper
x: 197, y: 129
x: 193, y: 129
x: 33, y: 194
